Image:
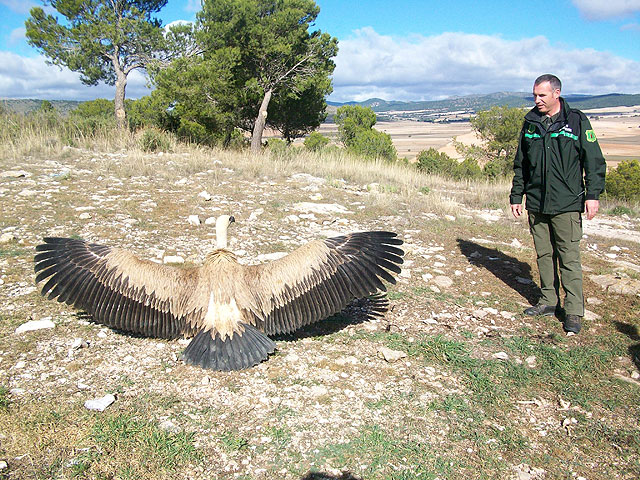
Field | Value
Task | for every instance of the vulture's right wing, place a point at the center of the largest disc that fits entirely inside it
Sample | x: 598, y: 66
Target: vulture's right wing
x: 115, y: 287
x: 321, y: 278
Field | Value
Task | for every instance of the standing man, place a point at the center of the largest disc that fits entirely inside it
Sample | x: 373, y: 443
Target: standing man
x: 560, y: 168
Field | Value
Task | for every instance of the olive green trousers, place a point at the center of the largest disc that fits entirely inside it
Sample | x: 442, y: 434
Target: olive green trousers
x: 557, y: 242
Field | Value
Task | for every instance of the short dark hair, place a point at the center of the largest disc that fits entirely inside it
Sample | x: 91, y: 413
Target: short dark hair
x: 552, y: 79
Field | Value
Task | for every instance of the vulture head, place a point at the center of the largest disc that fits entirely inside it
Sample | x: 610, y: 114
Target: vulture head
x: 228, y: 308
x: 222, y: 227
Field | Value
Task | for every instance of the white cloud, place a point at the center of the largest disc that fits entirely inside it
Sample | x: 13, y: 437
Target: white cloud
x: 451, y: 64
x: 22, y: 77
x: 600, y: 10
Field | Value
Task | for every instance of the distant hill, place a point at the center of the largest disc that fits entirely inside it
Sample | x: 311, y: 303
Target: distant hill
x: 27, y: 105
x: 460, y: 108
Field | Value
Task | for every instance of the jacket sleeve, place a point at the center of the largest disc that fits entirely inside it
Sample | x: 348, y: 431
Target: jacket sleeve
x: 517, y: 187
x: 592, y: 161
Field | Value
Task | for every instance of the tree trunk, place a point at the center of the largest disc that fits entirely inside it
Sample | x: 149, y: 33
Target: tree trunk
x: 261, y: 121
x: 118, y: 103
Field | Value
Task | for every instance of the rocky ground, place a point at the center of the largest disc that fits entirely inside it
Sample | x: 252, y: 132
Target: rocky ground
x: 453, y: 382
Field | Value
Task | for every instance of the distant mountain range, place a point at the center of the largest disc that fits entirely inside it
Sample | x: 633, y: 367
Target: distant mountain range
x: 448, y: 110
x: 460, y: 108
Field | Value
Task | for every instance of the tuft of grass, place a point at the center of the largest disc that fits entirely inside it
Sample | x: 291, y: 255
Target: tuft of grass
x: 4, y: 398
x: 233, y: 442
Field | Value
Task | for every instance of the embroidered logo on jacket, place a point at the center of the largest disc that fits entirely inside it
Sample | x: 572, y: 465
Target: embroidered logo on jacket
x: 591, y: 135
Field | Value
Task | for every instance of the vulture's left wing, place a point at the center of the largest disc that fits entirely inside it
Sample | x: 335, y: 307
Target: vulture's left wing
x: 321, y: 278
x: 115, y: 287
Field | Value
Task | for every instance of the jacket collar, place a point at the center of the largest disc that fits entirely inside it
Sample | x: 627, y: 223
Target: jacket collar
x: 534, y: 116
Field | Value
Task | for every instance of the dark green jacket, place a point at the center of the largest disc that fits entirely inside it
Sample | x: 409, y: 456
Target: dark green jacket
x: 559, y: 168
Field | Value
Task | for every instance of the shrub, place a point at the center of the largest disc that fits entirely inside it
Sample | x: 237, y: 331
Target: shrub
x: 154, y: 140
x: 315, y: 141
x: 373, y: 144
x: 435, y: 162
x: 624, y: 181
x: 468, y: 168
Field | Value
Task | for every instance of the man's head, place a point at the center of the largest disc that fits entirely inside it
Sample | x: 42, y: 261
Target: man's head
x: 546, y: 94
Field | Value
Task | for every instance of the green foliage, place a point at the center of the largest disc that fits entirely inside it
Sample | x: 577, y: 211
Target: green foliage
x: 500, y: 127
x: 155, y: 140
x: 46, y: 106
x: 315, y: 141
x: 352, y: 119
x: 151, y: 111
x: 434, y: 162
x: 624, y: 181
x: 355, y: 129
x: 4, y: 398
x: 373, y: 144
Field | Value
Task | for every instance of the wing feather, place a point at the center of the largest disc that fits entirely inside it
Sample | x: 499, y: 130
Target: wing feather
x: 115, y: 287
x: 321, y: 278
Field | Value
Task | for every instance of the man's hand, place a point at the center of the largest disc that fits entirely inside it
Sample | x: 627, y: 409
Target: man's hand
x: 516, y: 209
x: 591, y: 208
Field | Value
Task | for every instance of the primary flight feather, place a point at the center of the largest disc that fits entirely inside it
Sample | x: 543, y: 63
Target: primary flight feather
x: 228, y: 308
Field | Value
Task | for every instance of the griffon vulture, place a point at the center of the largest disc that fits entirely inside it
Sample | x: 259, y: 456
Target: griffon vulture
x: 227, y: 307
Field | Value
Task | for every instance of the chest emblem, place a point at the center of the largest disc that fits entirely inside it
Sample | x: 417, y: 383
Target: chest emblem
x: 591, y: 136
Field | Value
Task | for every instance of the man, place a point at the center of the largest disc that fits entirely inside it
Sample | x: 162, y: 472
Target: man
x: 560, y: 168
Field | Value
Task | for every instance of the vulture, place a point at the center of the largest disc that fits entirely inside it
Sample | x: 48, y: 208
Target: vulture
x: 229, y: 309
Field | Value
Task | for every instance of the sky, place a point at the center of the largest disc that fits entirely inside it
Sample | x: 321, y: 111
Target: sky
x: 405, y: 49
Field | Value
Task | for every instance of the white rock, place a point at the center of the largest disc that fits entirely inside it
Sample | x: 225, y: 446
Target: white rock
x: 7, y: 238
x: 443, y: 281
x: 100, y: 404
x: 79, y: 343
x: 390, y: 355
x: 531, y: 361
x: 515, y: 243
x: 450, y: 218
x: 210, y: 221
x: 35, y: 325
x: 426, y: 277
x: 193, y: 220
x: 255, y: 214
x: 501, y: 356
x: 14, y: 174
x: 292, y: 218
x: 480, y: 313
x: 318, y: 390
x: 84, y: 216
x: 3, y: 466
x: 205, y: 195
x: 594, y: 301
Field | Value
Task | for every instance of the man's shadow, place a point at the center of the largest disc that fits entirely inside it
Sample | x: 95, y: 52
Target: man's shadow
x: 631, y: 331
x: 504, y: 267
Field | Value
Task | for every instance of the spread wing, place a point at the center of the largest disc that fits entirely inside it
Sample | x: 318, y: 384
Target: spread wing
x: 115, y: 287
x: 321, y: 278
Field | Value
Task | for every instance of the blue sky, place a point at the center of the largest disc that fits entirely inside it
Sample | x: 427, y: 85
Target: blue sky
x: 407, y: 49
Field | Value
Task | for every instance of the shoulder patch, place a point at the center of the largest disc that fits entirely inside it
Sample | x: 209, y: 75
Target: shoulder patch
x: 591, y: 135
x: 531, y: 129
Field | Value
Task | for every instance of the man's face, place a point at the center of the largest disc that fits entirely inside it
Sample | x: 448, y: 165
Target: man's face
x: 546, y: 98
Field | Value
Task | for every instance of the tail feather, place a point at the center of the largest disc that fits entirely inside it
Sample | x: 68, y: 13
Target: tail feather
x: 237, y: 352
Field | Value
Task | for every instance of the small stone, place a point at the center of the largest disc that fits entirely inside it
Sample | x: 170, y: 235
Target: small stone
x: 7, y: 238
x: 515, y: 243
x: 205, y: 195
x: 501, y: 356
x: 193, y: 220
x: 443, y: 281
x: 635, y: 375
x: 255, y: 214
x: 84, y: 216
x: 100, y: 404
x: 390, y: 355
x: 79, y: 343
x: 3, y: 466
x: 594, y: 301
x: 531, y: 361
x: 206, y: 380
x: 35, y: 325
x: 210, y: 221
